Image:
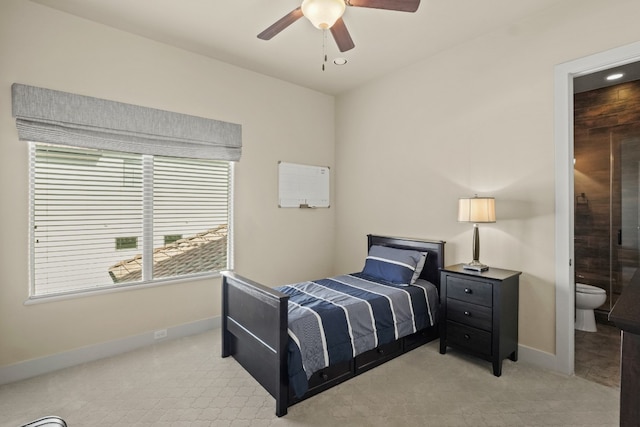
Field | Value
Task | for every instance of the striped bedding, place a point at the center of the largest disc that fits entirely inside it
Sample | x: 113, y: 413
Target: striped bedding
x: 333, y: 320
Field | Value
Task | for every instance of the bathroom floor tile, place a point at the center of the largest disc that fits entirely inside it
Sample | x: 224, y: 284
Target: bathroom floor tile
x: 597, y: 355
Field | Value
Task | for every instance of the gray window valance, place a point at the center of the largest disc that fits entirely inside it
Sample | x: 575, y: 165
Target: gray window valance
x: 51, y: 116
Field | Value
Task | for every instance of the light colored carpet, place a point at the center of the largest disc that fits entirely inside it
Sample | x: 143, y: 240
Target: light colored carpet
x: 185, y: 382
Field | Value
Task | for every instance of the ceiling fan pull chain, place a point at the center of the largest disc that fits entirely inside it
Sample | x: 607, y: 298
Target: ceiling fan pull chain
x: 324, y: 47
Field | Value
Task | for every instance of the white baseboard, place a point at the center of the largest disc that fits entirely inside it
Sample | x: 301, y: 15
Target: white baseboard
x: 31, y: 368
x: 539, y: 358
x: 43, y: 365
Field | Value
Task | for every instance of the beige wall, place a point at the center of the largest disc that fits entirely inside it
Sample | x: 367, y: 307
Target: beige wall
x: 43, y: 47
x: 477, y: 118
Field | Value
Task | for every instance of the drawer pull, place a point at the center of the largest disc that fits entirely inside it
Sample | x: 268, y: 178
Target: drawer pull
x: 380, y: 350
x: 467, y: 313
x: 467, y: 336
x: 324, y: 376
x: 468, y: 291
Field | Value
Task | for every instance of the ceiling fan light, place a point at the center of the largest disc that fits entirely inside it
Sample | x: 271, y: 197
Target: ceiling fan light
x: 323, y: 13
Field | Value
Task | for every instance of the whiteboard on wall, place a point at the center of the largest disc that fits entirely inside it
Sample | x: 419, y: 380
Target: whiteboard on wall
x: 303, y: 186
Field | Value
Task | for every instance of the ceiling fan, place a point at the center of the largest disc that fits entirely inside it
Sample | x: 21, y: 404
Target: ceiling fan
x: 327, y: 14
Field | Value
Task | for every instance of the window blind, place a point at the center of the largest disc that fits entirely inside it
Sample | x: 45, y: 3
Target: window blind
x: 83, y: 201
x: 102, y: 218
x: 56, y: 117
x: 190, y: 198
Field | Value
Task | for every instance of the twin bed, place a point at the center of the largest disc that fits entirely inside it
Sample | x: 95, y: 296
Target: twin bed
x: 299, y: 340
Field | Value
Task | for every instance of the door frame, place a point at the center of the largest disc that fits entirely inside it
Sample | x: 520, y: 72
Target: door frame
x: 564, y: 194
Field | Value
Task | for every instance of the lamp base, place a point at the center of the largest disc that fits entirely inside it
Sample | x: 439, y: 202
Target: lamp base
x: 475, y: 266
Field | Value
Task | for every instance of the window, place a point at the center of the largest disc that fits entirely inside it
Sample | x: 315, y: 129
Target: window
x: 127, y: 242
x: 103, y: 219
x: 110, y: 180
x: 172, y: 238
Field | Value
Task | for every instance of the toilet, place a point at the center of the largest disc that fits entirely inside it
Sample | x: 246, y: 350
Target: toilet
x: 587, y: 299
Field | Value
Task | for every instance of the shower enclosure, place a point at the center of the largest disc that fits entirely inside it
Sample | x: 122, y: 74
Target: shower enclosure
x: 607, y: 193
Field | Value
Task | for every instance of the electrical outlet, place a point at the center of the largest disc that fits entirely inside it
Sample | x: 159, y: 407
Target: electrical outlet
x: 162, y: 333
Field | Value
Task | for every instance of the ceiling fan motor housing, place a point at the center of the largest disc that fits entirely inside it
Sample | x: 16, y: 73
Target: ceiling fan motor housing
x: 323, y: 13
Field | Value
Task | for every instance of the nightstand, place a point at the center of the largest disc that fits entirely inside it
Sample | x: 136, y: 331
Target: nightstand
x: 479, y: 313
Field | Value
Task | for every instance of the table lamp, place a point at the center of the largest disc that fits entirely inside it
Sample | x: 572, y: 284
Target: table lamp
x: 476, y: 210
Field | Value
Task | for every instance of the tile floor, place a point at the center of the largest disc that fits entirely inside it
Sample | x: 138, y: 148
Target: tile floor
x: 184, y: 382
x: 597, y: 355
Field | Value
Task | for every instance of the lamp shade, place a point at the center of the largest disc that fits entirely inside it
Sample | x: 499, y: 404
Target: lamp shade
x: 477, y: 209
x: 323, y: 13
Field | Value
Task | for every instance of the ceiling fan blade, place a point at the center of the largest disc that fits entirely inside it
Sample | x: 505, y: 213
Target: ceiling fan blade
x: 281, y: 24
x: 400, y: 5
x: 341, y: 36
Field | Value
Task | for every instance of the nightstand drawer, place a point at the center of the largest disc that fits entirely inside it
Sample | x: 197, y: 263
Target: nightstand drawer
x: 469, y: 314
x: 472, y: 291
x: 469, y: 338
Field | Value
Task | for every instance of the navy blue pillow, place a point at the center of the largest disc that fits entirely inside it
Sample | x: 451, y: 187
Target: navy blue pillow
x: 397, y: 266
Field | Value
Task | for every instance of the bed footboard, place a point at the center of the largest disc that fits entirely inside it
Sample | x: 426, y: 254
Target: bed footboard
x: 254, y: 332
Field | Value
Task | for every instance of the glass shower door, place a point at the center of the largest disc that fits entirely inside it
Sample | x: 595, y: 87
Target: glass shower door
x: 625, y: 211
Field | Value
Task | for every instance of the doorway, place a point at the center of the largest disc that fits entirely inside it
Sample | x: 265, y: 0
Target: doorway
x: 564, y: 75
